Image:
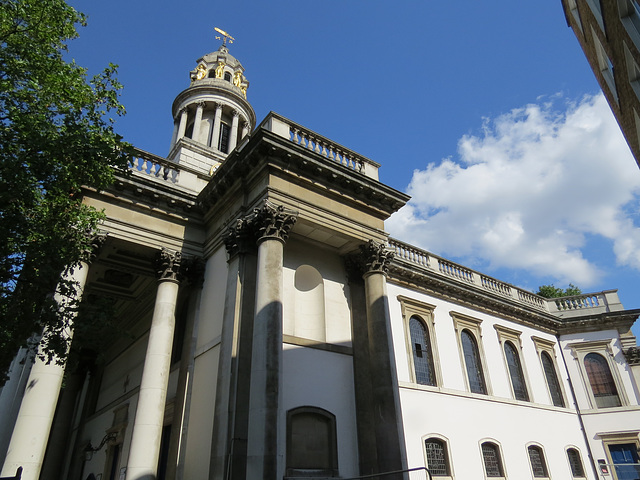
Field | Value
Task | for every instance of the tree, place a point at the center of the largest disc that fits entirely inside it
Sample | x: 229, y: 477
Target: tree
x: 56, y: 136
x: 551, y: 291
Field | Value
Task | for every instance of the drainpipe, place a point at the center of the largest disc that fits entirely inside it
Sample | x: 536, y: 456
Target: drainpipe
x: 575, y: 402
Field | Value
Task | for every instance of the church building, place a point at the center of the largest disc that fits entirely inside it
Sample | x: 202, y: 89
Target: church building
x: 269, y: 328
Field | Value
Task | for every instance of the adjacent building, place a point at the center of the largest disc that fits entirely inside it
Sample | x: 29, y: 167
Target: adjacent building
x: 270, y: 328
x: 609, y: 34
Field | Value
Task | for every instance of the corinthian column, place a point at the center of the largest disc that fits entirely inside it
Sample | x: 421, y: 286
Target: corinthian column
x: 390, y: 448
x: 273, y: 225
x: 147, y: 427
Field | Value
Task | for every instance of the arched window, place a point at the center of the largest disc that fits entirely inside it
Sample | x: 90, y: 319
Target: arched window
x: 602, y: 384
x: 437, y: 457
x: 552, y: 379
x: 575, y: 462
x: 212, y: 73
x: 492, y: 461
x: 311, y: 443
x: 538, y: 464
x: 227, y: 76
x: 472, y: 363
x: 422, y: 355
x: 515, y: 372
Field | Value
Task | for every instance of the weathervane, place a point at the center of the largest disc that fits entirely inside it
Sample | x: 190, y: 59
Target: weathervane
x: 225, y: 36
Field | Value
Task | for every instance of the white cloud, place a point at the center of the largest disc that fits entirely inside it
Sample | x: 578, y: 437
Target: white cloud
x: 529, y: 191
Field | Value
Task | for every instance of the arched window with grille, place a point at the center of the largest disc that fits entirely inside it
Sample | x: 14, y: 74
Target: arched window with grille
x: 227, y: 76
x: 538, y: 463
x: 515, y: 372
x: 311, y: 443
x: 437, y: 457
x: 552, y: 379
x: 575, y: 463
x: 472, y: 362
x: 492, y: 460
x: 601, y: 381
x: 422, y: 353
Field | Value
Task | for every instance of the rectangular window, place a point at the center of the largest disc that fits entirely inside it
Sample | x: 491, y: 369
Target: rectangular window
x: 223, y: 142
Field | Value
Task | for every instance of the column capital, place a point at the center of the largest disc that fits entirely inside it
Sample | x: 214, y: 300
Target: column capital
x: 192, y: 269
x: 183, y: 110
x: 376, y: 256
x: 201, y: 104
x: 168, y: 265
x: 235, y: 113
x: 274, y: 221
x: 240, y: 236
x: 218, y: 105
x: 373, y: 257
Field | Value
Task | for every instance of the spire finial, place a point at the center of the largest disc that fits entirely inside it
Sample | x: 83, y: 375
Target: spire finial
x: 225, y: 36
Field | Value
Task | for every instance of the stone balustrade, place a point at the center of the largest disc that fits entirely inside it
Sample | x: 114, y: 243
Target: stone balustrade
x: 606, y: 301
x: 320, y: 145
x: 153, y: 165
x: 599, y: 302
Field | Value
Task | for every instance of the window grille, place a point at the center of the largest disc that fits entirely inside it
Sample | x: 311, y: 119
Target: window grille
x: 515, y: 372
x: 552, y: 380
x: 491, y: 458
x: 437, y: 461
x: 602, y: 384
x: 473, y: 363
x: 575, y: 462
x: 422, y: 356
x: 537, y: 462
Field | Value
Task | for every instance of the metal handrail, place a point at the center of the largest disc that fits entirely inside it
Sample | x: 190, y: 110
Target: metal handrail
x: 382, y: 474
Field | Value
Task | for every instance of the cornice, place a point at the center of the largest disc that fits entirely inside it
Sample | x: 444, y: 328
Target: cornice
x: 265, y: 148
x: 155, y: 194
x: 425, y: 281
x: 469, y: 296
x: 621, y: 320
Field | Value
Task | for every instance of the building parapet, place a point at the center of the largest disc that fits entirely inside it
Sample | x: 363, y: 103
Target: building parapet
x: 573, y: 306
x: 321, y: 145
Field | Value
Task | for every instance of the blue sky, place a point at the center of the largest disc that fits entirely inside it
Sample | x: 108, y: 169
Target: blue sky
x: 485, y: 112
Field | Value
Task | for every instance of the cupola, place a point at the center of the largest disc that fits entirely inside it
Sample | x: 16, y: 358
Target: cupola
x: 212, y: 115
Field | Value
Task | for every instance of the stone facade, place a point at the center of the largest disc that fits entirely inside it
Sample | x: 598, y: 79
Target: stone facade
x: 269, y: 328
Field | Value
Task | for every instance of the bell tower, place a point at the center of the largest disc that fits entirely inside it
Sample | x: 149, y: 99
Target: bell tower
x: 212, y: 115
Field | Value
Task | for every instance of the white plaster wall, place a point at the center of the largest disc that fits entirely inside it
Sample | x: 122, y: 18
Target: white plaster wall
x: 465, y: 422
x: 200, y: 428
x: 212, y: 299
x: 465, y: 419
x: 453, y: 372
x: 581, y: 384
x: 322, y: 379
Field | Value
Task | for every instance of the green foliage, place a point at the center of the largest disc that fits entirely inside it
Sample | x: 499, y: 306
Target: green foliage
x: 56, y: 136
x: 551, y: 291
